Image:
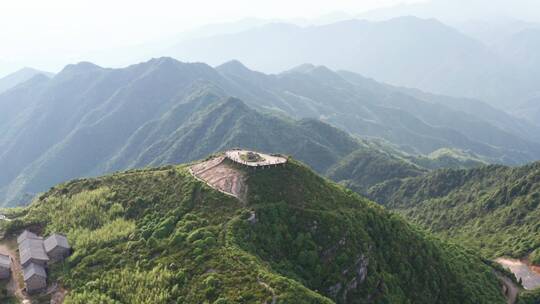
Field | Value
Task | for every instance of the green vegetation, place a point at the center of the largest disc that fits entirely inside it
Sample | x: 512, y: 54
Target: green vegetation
x: 449, y: 158
x: 4, y: 297
x: 160, y: 236
x: 251, y: 157
x: 493, y: 209
x: 312, y: 219
x: 529, y: 297
x: 367, y: 167
x: 378, y: 161
x: 534, y: 257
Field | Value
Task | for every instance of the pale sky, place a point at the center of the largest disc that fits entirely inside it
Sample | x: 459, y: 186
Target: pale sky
x: 48, y: 34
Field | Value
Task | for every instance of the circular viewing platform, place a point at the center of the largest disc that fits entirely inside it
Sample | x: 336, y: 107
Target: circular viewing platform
x: 255, y: 159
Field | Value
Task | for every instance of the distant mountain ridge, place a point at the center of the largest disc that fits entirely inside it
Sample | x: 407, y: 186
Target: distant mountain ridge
x: 367, y: 108
x: 404, y: 51
x: 19, y: 77
x: 89, y: 120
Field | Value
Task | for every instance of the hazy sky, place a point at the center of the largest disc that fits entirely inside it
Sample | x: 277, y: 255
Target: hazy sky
x: 49, y: 33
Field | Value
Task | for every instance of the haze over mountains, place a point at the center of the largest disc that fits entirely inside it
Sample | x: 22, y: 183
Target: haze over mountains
x: 89, y: 120
x: 478, y: 53
x: 456, y: 11
x: 19, y: 77
x: 405, y: 51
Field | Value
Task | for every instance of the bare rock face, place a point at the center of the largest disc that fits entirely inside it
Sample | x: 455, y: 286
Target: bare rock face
x: 359, y: 270
x: 252, y: 218
x: 334, y: 290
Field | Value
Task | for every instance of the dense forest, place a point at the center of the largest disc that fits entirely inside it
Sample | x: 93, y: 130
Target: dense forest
x: 493, y: 209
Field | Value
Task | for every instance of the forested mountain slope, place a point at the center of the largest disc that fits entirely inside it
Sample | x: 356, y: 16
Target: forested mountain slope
x: 161, y: 236
x: 494, y: 209
x: 204, y: 124
x: 89, y: 120
x: 367, y: 108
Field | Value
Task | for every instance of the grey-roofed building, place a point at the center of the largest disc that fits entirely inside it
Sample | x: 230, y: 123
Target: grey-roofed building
x: 33, y: 251
x: 57, y: 247
x: 35, y: 277
x: 27, y: 235
x: 5, y: 266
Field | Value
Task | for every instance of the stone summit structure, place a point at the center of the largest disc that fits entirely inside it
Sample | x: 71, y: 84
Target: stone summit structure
x: 223, y: 172
x: 255, y: 159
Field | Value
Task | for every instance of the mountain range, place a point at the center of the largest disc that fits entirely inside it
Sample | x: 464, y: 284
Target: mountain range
x: 403, y: 51
x: 89, y: 120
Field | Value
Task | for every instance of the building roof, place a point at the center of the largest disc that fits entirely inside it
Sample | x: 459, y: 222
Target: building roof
x: 56, y: 240
x: 5, y: 261
x: 33, y: 269
x: 27, y: 235
x: 32, y: 249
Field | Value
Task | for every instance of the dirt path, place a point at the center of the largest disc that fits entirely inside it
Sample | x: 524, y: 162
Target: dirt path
x: 510, y: 289
x: 221, y: 176
x: 58, y: 295
x: 274, y: 296
x: 15, y: 284
x: 523, y: 270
